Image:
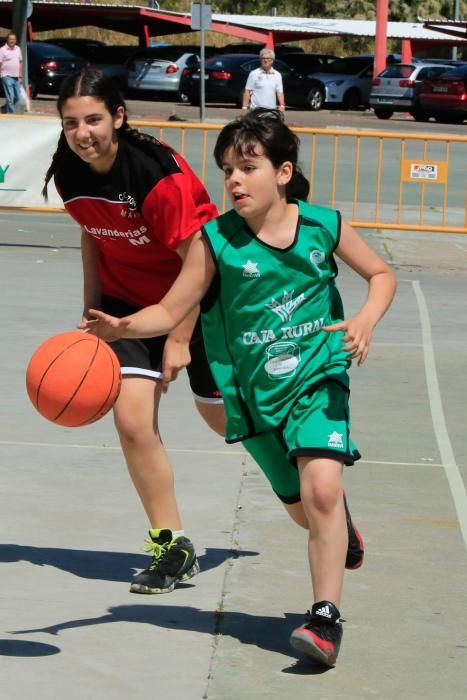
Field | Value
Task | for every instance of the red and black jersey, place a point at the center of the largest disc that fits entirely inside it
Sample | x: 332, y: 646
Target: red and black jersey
x: 138, y: 213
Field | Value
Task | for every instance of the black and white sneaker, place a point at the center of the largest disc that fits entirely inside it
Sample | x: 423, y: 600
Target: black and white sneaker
x: 319, y: 638
x: 173, y: 561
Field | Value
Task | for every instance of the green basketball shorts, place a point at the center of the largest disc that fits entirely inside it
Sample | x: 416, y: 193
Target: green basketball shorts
x: 318, y: 425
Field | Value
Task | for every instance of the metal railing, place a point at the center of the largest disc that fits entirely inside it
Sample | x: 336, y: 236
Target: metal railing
x: 376, y: 179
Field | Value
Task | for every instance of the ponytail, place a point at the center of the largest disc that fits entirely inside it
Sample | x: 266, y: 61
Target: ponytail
x: 298, y: 186
x: 57, y: 160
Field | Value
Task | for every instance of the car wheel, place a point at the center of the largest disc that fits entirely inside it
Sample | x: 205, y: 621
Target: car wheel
x: 239, y: 100
x: 449, y: 118
x: 32, y: 90
x: 421, y: 115
x: 352, y: 99
x: 315, y: 98
x: 383, y: 113
x: 182, y: 97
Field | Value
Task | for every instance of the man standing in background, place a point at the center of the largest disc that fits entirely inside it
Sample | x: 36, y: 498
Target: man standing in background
x: 11, y: 73
x: 264, y: 85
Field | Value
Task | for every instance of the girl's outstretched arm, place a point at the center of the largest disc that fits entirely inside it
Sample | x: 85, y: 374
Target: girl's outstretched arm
x: 358, y: 329
x: 185, y: 294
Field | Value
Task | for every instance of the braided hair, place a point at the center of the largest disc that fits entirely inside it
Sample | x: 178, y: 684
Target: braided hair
x: 266, y: 127
x: 93, y: 83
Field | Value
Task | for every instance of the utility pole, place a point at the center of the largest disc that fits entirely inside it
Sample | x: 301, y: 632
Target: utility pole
x: 201, y: 20
x: 18, y: 21
x: 22, y: 9
x: 457, y: 16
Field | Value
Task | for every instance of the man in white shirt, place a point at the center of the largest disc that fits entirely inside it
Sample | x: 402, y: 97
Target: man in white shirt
x: 11, y: 73
x: 264, y: 85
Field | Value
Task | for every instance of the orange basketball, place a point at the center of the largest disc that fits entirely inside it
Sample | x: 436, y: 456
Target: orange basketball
x: 73, y: 378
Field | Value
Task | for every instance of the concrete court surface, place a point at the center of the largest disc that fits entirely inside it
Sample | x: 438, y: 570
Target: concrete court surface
x: 71, y: 524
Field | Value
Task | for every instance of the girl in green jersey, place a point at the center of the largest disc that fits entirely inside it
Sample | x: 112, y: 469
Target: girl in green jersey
x: 278, y: 342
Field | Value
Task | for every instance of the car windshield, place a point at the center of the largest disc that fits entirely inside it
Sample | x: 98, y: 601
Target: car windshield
x: 166, y: 53
x: 48, y: 50
x: 347, y: 66
x: 221, y: 62
x: 459, y: 73
x: 398, y: 71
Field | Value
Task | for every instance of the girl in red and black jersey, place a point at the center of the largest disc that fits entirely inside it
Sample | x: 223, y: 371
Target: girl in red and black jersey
x: 138, y: 204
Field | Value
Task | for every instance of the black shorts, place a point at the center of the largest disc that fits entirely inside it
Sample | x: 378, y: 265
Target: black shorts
x: 144, y: 357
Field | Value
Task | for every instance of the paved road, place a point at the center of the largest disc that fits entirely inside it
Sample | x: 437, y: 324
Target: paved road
x: 158, y: 110
x: 71, y: 523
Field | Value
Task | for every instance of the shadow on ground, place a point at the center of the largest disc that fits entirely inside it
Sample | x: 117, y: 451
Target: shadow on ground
x: 105, y: 566
x: 263, y: 631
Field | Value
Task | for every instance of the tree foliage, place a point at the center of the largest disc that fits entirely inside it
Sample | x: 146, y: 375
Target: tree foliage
x: 399, y: 10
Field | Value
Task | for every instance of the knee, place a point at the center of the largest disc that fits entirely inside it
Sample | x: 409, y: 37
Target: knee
x: 132, y: 431
x: 322, y: 498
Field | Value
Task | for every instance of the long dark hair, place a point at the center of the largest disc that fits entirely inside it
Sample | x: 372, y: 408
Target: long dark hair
x: 266, y: 127
x: 93, y: 83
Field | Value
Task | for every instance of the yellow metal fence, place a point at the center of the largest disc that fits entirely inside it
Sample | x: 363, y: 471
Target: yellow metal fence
x: 376, y: 179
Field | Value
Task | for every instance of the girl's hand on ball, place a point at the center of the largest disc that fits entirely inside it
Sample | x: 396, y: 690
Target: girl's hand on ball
x: 104, y: 326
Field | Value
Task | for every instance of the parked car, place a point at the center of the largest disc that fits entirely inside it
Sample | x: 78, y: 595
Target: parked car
x: 308, y: 63
x: 159, y: 69
x: 75, y: 44
x: 48, y: 66
x: 345, y: 82
x: 397, y: 88
x: 445, y: 97
x: 226, y: 76
x: 108, y: 59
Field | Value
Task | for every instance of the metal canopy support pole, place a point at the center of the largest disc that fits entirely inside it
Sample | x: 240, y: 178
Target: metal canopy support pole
x: 144, y: 37
x: 381, y: 36
x: 202, y: 101
x: 406, y: 51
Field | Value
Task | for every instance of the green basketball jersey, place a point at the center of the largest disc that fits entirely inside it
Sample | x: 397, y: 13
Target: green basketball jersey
x: 263, y: 330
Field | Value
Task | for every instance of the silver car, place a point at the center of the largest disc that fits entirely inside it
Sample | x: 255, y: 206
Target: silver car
x: 345, y: 82
x: 396, y: 89
x: 159, y: 70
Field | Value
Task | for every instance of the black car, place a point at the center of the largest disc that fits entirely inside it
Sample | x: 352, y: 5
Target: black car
x: 110, y: 60
x: 279, y: 49
x: 76, y: 45
x: 226, y: 76
x: 308, y: 63
x: 48, y: 66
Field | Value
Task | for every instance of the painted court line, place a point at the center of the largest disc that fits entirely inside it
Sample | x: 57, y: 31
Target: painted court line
x: 224, y: 453
x: 64, y: 446
x: 448, y: 460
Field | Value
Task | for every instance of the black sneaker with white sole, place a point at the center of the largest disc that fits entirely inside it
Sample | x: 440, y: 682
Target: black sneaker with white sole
x: 173, y: 561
